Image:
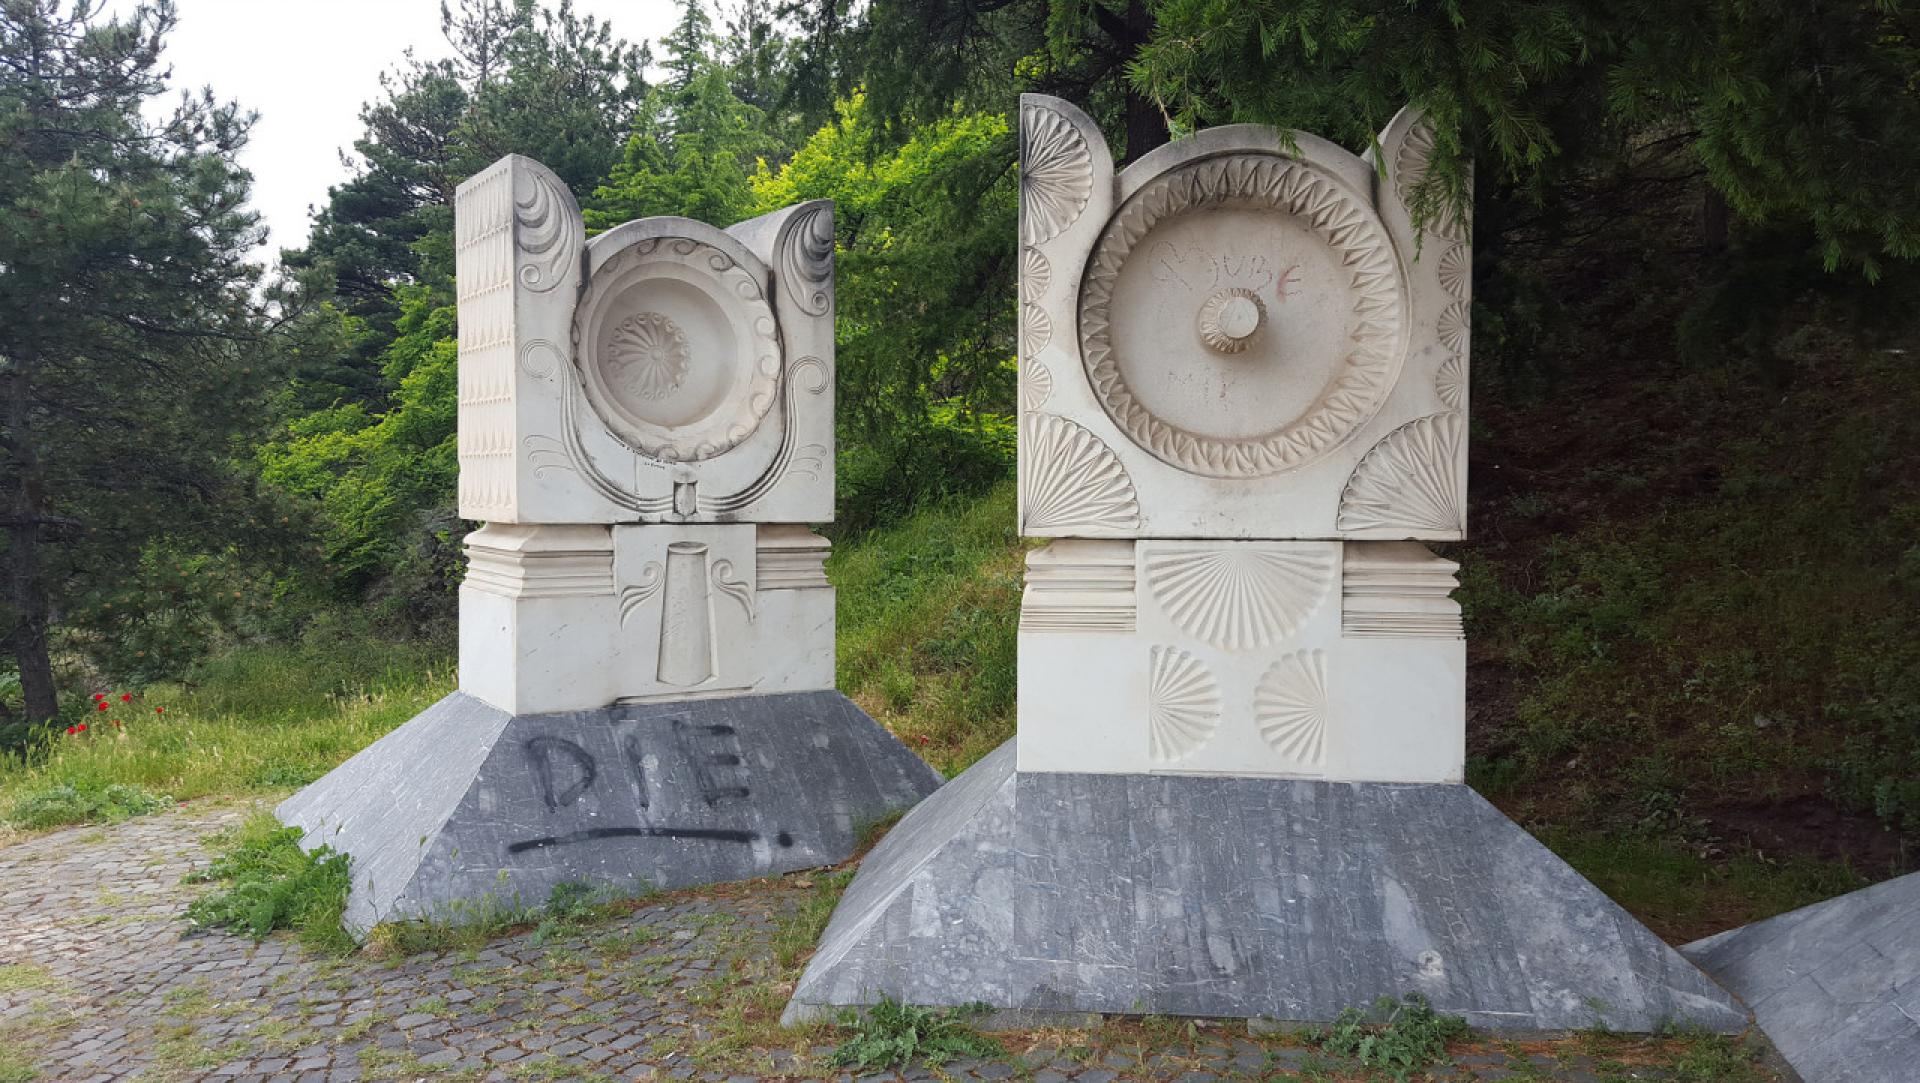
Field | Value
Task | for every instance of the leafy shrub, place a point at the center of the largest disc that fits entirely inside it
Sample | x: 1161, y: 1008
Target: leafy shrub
x: 1399, y: 1037
x: 68, y: 803
x: 271, y: 883
x: 893, y: 1034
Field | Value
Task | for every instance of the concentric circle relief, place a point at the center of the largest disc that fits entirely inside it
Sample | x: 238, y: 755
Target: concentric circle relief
x: 1244, y: 279
x: 677, y: 349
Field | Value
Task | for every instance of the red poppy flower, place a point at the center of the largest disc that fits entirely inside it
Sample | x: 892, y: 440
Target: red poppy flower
x: 102, y: 705
x: 71, y: 731
x: 82, y: 727
x: 98, y: 696
x: 126, y: 697
x: 159, y: 710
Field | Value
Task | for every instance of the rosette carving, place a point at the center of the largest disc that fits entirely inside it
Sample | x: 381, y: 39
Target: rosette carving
x: 1070, y: 480
x: 1406, y: 482
x: 1056, y: 174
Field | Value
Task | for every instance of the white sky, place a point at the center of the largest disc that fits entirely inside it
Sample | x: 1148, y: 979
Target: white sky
x: 307, y: 66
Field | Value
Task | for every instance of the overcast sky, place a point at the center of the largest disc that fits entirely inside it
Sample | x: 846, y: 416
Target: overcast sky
x: 306, y: 66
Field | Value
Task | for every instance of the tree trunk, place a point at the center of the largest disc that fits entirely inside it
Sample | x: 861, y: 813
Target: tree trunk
x: 1146, y: 124
x: 29, y: 594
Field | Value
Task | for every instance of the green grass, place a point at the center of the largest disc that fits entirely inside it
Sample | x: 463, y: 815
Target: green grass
x: 258, y: 719
x: 1397, y: 1038
x: 893, y: 1035
x: 928, y: 613
x: 268, y: 882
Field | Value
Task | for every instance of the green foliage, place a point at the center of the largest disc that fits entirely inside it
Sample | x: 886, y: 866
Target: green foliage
x: 894, y: 1035
x: 66, y: 803
x: 1399, y: 1037
x: 929, y: 607
x: 925, y: 341
x: 270, y: 882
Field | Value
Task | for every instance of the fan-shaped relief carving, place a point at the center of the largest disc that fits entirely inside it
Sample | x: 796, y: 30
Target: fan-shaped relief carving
x: 550, y: 234
x: 1036, y: 329
x: 1455, y: 326
x: 1246, y: 309
x: 1183, y: 704
x: 1036, y: 385
x: 648, y: 355
x: 1410, y: 168
x: 1036, y: 274
x: 1290, y: 707
x: 1408, y: 481
x: 1056, y: 173
x: 1072, y: 481
x: 1456, y: 271
x: 807, y: 260
x: 1236, y: 596
x: 1450, y: 383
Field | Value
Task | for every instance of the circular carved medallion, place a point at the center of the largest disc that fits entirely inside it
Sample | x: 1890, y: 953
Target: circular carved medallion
x: 677, y: 349
x: 1242, y: 315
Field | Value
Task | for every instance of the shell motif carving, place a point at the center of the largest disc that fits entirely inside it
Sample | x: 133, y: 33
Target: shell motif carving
x: 1056, y: 174
x: 1456, y: 271
x: 1235, y: 597
x: 807, y: 260
x: 550, y: 232
x: 1455, y: 325
x: 1410, y: 167
x: 1290, y: 707
x: 1407, y: 481
x: 1036, y: 274
x: 1072, y: 481
x: 1183, y: 704
x: 1036, y: 329
x: 1036, y: 385
x: 1378, y: 311
x: 1450, y: 383
x: 648, y: 355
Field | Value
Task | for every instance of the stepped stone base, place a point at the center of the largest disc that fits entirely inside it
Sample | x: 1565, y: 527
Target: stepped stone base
x: 467, y: 806
x: 1836, y: 985
x: 1047, y: 894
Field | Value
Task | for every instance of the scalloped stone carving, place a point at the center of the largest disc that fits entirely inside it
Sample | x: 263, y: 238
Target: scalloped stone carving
x: 1407, y: 481
x: 1290, y: 707
x: 1456, y: 271
x: 1235, y: 597
x: 1072, y: 481
x: 676, y: 349
x: 1036, y: 274
x: 1036, y: 385
x: 1455, y: 323
x: 1056, y: 174
x: 1410, y: 169
x: 648, y: 355
x: 1036, y: 329
x: 1450, y: 383
x: 1164, y: 341
x: 1183, y: 703
x: 806, y: 263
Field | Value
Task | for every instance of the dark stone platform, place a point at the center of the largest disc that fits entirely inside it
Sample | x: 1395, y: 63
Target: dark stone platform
x: 1285, y: 900
x: 1835, y: 985
x: 467, y: 806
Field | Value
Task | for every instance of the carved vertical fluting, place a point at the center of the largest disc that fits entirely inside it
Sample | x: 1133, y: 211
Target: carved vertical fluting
x: 483, y: 265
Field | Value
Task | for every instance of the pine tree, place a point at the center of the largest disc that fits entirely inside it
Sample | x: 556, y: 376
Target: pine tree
x: 125, y: 312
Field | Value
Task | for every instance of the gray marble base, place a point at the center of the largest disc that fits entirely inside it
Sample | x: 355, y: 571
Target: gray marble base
x: 466, y: 806
x: 1836, y: 985
x: 1275, y: 899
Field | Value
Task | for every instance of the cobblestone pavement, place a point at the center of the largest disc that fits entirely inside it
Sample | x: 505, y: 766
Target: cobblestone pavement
x: 99, y: 982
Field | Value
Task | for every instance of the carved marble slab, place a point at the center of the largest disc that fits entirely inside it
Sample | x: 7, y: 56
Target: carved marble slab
x: 665, y: 371
x: 1239, y: 336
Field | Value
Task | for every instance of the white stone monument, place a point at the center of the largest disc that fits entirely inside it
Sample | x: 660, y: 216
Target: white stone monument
x: 1236, y: 785
x: 646, y: 627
